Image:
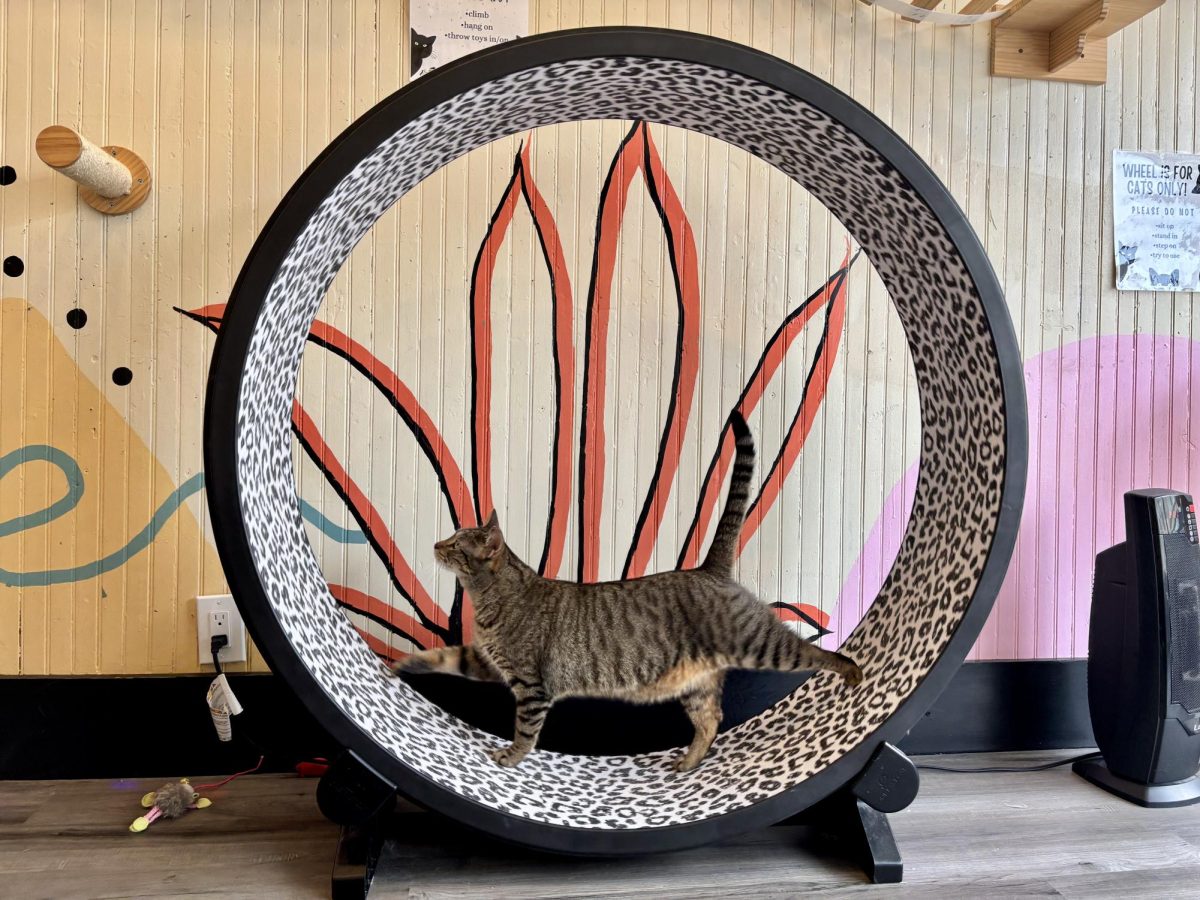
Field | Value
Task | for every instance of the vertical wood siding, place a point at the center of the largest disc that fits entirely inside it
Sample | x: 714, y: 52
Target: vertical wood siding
x: 229, y: 101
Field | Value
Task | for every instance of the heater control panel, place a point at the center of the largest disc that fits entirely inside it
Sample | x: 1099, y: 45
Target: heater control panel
x: 1176, y: 514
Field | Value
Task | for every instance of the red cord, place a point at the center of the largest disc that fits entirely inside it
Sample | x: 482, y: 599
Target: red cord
x: 219, y: 784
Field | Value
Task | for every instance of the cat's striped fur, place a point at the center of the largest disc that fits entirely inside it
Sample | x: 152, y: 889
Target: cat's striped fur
x: 661, y: 637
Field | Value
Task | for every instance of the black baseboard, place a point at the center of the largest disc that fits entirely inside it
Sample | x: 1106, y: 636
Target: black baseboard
x: 147, y: 727
x: 159, y: 726
x: 1018, y: 705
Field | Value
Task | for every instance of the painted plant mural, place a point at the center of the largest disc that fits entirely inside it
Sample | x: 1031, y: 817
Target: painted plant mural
x: 410, y: 614
x: 1107, y: 413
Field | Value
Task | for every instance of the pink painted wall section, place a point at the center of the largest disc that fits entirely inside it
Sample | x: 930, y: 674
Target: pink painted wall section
x: 867, y: 574
x: 1106, y: 415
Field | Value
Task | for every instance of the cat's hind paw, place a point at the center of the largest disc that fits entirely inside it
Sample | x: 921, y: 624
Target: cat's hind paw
x: 419, y: 663
x: 849, y: 670
x: 508, y: 756
x: 854, y: 676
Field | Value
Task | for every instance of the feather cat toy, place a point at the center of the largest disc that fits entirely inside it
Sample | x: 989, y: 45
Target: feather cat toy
x: 170, y: 801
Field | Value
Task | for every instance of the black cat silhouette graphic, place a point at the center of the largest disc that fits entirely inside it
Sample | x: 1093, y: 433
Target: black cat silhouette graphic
x: 422, y: 46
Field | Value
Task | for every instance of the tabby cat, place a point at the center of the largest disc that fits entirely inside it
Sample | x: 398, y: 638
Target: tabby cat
x: 661, y: 637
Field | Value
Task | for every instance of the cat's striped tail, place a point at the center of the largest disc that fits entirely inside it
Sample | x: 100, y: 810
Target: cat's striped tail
x: 721, y: 554
x: 772, y: 645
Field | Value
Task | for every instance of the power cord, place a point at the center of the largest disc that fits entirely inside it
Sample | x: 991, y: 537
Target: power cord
x: 1095, y: 754
x: 215, y: 644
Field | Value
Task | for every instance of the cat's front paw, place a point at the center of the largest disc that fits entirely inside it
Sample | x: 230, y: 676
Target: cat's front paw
x: 508, y: 756
x: 686, y: 763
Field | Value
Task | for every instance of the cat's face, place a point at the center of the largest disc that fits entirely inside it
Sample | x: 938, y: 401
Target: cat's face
x: 471, y: 552
x: 422, y: 44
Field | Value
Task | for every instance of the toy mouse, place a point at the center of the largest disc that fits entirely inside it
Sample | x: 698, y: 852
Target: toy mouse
x: 170, y: 801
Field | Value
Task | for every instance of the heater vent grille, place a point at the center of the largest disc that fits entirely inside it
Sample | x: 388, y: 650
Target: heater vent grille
x: 1181, y: 560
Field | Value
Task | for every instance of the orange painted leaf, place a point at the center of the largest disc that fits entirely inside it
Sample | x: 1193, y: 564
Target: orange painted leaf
x: 681, y: 243
x: 564, y: 367
x: 592, y: 446
x: 768, y: 364
x: 810, y: 404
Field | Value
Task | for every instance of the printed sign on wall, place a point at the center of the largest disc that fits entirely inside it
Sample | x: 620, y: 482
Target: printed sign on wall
x: 443, y: 30
x: 1156, y: 217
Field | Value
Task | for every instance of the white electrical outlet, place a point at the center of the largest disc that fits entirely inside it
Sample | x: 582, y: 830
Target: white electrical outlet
x: 217, y: 614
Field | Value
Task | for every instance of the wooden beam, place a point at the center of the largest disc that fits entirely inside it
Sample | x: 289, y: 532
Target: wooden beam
x: 1013, y: 8
x: 1048, y: 15
x: 924, y: 4
x: 1068, y: 42
x: 1122, y: 13
x: 976, y: 7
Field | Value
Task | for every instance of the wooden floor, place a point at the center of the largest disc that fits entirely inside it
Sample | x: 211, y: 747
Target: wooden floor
x: 1044, y: 834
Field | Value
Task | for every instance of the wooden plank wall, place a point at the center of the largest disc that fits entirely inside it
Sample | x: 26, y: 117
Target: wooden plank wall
x: 228, y: 101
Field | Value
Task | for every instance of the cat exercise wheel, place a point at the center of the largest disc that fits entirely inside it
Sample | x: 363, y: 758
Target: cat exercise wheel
x: 968, y: 497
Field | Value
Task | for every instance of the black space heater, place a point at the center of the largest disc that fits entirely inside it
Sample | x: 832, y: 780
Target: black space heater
x: 1144, y: 655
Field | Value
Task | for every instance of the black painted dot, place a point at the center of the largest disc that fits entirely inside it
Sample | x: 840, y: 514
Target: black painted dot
x: 122, y: 376
x: 13, y: 266
x: 76, y: 318
x: 7, y: 175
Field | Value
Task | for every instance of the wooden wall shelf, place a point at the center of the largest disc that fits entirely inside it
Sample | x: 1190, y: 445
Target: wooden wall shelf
x: 1061, y: 40
x: 1057, y: 40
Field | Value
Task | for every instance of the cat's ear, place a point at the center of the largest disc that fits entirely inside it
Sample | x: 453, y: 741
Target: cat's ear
x: 495, y: 538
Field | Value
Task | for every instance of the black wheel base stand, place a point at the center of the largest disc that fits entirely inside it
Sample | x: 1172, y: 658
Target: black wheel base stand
x: 353, y: 795
x: 856, y: 817
x: 357, y: 798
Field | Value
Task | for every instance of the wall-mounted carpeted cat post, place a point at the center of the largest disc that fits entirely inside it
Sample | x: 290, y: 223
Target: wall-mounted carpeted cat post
x: 113, y: 180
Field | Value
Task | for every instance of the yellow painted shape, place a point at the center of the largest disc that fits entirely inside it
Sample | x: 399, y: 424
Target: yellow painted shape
x: 137, y: 618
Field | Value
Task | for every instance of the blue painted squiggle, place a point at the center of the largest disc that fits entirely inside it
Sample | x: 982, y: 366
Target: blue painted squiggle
x: 137, y: 543
x: 64, y: 463
x: 330, y: 529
